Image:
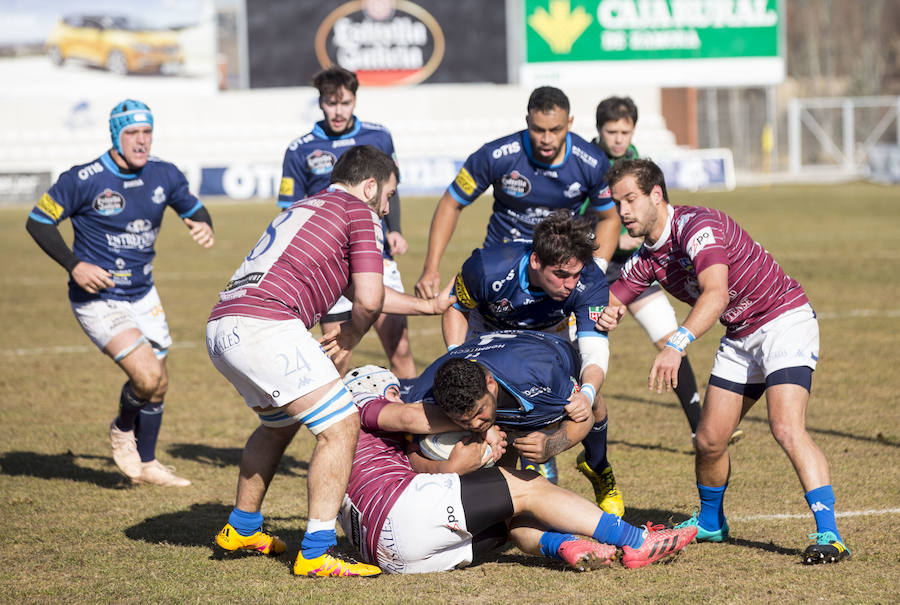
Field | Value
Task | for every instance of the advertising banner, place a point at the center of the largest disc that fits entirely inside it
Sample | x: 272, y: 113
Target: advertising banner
x: 655, y: 42
x: 386, y: 42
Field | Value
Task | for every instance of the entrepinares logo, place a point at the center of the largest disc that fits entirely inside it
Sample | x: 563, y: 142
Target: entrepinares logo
x: 386, y: 42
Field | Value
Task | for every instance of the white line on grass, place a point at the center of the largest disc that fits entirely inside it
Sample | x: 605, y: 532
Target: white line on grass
x: 77, y: 349
x: 848, y: 513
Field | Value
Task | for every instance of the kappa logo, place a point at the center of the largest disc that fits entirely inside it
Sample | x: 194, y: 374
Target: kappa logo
x: 159, y: 195
x: 818, y: 507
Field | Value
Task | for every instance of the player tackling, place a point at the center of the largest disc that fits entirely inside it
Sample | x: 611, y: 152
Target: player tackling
x: 771, y: 343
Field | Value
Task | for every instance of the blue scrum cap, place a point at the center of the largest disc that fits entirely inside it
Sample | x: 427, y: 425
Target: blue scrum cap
x: 127, y: 113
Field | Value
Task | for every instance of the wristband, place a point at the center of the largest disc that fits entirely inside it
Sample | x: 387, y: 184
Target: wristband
x: 680, y: 339
x: 590, y: 391
x: 602, y: 263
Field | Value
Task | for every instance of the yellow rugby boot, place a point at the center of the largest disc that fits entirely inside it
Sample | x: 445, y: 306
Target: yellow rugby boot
x: 607, y: 494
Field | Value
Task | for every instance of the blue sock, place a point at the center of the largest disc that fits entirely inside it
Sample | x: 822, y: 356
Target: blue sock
x: 244, y: 523
x: 146, y: 430
x: 129, y: 407
x: 612, y: 530
x: 595, y: 446
x: 315, y: 543
x: 821, y: 503
x: 712, y: 506
x: 551, y: 541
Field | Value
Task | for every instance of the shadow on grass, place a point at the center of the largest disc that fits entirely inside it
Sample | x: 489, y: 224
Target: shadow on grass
x: 61, y: 466
x: 879, y: 439
x: 231, y: 456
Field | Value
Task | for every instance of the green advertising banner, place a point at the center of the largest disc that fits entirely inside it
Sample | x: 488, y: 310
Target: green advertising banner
x: 590, y: 31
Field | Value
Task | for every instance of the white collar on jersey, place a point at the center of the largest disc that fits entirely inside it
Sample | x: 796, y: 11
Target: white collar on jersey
x: 337, y: 187
x: 667, y: 231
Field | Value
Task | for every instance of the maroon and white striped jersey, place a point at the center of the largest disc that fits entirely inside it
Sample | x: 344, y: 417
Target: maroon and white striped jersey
x: 695, y: 238
x: 303, y: 261
x: 380, y: 472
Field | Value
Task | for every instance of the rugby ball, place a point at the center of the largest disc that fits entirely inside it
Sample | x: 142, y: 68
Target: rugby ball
x: 439, y: 446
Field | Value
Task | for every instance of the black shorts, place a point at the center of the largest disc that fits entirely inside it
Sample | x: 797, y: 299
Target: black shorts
x: 488, y: 506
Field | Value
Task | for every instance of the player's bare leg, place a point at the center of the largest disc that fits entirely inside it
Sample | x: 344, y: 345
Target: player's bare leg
x: 394, y: 335
x: 260, y: 458
x: 787, y: 419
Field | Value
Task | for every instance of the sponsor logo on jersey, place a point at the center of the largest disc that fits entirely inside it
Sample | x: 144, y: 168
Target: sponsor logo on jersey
x: 700, y: 240
x: 50, y: 207
x: 573, y: 191
x: 159, y: 195
x: 495, y: 286
x: 121, y: 277
x: 384, y: 42
x: 139, y: 226
x: 343, y: 143
x: 130, y: 184
x: 584, y: 156
x: 506, y: 149
x: 120, y: 263
x: 287, y: 187
x: 109, y: 203
x: 594, y: 313
x: 90, y: 170
x: 223, y: 342
x: 320, y: 162
x: 139, y: 234
x: 501, y: 307
x: 462, y: 293
x: 551, y: 174
x: 251, y: 279
x: 515, y: 184
x: 465, y: 181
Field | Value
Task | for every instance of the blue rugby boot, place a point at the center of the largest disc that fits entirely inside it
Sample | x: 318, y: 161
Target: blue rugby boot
x: 703, y: 534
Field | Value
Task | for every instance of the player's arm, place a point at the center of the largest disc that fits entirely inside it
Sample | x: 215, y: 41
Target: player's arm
x: 540, y: 446
x: 200, y: 225
x: 443, y: 224
x: 398, y: 303
x: 88, y: 276
x: 454, y: 325
x: 712, y: 302
x: 606, y: 235
x: 612, y: 314
x: 419, y: 418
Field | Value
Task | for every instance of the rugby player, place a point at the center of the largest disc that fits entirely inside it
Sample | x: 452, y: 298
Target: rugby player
x: 616, y: 121
x: 455, y: 512
x: 533, y: 172
x: 116, y: 204
x: 257, y: 337
x: 771, y: 343
x: 307, y: 167
x: 538, y: 286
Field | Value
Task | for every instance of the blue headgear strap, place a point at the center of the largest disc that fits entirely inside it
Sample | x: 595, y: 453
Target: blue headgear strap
x: 127, y: 113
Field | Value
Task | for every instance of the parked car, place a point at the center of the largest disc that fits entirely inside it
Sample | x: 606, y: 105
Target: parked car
x: 119, y: 44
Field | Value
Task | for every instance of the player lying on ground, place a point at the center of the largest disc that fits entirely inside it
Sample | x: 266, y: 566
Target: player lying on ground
x: 457, y: 512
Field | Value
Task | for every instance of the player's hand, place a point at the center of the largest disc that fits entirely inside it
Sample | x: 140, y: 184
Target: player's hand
x: 91, y: 278
x: 533, y: 446
x: 443, y: 301
x: 580, y: 407
x: 429, y: 284
x: 201, y: 232
x: 665, y: 370
x: 397, y: 243
x: 496, y: 438
x: 627, y: 242
x: 339, y: 343
x: 610, y: 317
x: 468, y: 455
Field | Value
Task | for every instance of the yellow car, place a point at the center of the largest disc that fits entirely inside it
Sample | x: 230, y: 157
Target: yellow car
x: 120, y: 44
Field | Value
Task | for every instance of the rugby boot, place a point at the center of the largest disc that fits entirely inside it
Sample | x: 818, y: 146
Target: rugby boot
x: 260, y: 542
x: 736, y: 436
x: 703, y: 534
x: 607, y: 494
x: 585, y: 555
x: 124, y: 451
x: 660, y: 544
x: 332, y: 564
x: 155, y: 473
x: 547, y: 469
x: 827, y: 549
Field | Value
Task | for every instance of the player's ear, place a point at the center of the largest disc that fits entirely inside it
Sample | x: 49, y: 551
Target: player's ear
x: 571, y: 121
x: 534, y: 262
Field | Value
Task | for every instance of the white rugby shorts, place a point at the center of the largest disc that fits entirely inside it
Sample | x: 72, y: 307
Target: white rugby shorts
x: 270, y: 363
x: 391, y: 279
x: 426, y: 528
x: 103, y: 319
x: 790, y: 340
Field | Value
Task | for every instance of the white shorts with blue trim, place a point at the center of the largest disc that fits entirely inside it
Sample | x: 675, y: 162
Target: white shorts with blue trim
x: 103, y: 319
x: 270, y: 363
x: 390, y: 278
x: 790, y: 340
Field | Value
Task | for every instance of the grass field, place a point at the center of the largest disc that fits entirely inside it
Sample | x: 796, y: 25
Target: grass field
x: 72, y: 530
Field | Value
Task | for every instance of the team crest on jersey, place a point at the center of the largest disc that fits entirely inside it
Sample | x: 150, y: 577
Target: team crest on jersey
x: 159, y: 195
x: 139, y: 226
x: 320, y: 162
x: 595, y: 312
x: 501, y: 307
x: 109, y: 203
x: 515, y: 184
x: 573, y: 191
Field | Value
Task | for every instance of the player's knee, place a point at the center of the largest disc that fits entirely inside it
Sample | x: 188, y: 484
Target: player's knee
x: 787, y: 434
x: 710, y: 444
x: 145, y: 383
x: 334, y: 413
